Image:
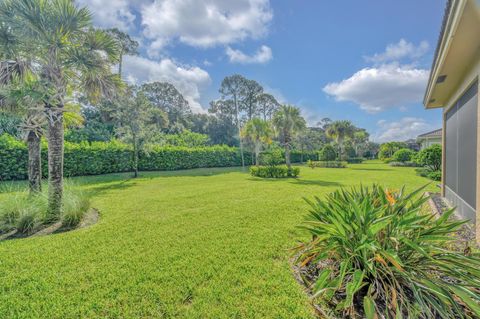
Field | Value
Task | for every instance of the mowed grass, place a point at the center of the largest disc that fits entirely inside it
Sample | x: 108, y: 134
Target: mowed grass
x: 203, y: 243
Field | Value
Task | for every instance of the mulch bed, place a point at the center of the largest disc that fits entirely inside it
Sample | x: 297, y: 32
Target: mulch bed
x: 90, y: 218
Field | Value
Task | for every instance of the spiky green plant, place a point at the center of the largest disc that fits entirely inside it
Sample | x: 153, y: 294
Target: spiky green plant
x: 375, y: 253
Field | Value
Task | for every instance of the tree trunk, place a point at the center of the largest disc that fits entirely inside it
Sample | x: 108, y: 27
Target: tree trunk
x: 34, y: 163
x: 55, y: 165
x: 257, y: 153
x: 135, y: 159
x: 239, y: 131
x: 287, y: 156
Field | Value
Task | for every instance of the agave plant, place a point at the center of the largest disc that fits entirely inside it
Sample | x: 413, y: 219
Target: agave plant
x: 376, y: 253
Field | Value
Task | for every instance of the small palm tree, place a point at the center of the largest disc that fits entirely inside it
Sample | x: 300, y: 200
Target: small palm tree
x: 67, y: 54
x: 288, y: 123
x: 259, y: 133
x: 340, y: 131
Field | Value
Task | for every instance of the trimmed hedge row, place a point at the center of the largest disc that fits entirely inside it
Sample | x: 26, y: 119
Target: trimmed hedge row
x: 114, y: 157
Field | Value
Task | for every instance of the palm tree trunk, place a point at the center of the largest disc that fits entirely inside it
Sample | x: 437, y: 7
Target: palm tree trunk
x: 34, y: 163
x: 257, y: 152
x: 55, y: 164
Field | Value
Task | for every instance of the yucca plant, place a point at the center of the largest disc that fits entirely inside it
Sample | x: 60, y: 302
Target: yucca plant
x: 375, y: 253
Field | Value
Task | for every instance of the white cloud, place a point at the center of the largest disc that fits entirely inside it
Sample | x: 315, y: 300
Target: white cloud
x: 399, y: 51
x: 204, y: 23
x: 115, y: 13
x: 402, y: 130
x: 379, y: 88
x: 263, y: 55
x: 189, y: 80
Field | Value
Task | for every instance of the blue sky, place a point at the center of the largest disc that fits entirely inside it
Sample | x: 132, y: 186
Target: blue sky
x: 365, y: 61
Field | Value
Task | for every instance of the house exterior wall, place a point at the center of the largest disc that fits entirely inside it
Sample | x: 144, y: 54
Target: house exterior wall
x: 464, y: 152
x: 429, y: 141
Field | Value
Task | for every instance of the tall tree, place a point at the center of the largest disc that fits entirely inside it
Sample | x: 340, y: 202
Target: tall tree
x: 259, y: 133
x: 57, y: 36
x: 359, y: 141
x: 339, y: 131
x: 251, y: 92
x: 288, y: 122
x: 267, y: 105
x: 137, y: 121
x: 231, y: 89
x: 126, y: 45
x: 166, y: 97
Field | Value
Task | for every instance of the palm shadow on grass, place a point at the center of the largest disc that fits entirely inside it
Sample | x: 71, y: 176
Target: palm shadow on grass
x: 307, y: 182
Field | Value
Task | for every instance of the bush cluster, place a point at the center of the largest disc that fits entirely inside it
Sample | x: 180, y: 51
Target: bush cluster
x: 327, y: 153
x: 403, y: 155
x: 26, y: 213
x: 355, y: 160
x: 274, y: 171
x: 327, y: 164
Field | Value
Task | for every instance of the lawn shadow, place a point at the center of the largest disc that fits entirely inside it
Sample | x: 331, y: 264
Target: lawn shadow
x: 307, y: 182
x: 371, y: 169
x: 99, y: 190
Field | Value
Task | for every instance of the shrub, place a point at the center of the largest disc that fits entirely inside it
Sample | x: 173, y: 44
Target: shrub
x: 327, y: 153
x: 355, y: 160
x: 327, y: 164
x: 272, y: 157
x: 403, y: 155
x: 375, y: 253
x: 430, y: 157
x: 26, y: 213
x: 388, y: 149
x: 278, y: 171
x: 435, y: 175
x: 403, y: 164
x: 75, y: 205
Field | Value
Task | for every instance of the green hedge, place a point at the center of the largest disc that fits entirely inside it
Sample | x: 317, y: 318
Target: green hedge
x: 274, y: 171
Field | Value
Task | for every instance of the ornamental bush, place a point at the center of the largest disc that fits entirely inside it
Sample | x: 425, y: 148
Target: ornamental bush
x: 430, y: 157
x: 274, y: 171
x: 403, y: 155
x: 327, y: 164
x: 355, y: 160
x: 327, y: 153
x: 375, y: 253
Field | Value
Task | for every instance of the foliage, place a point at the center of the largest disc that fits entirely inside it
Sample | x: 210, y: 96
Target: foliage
x: 167, y: 98
x: 340, y: 131
x: 327, y: 153
x: 288, y: 123
x: 96, y: 128
x: 274, y: 171
x: 327, y: 164
x: 388, y: 149
x: 273, y: 156
x: 9, y: 124
x: 310, y: 140
x: 259, y: 133
x: 427, y: 172
x: 355, y: 160
x: 403, y: 155
x: 378, y: 248
x: 185, y: 139
x: 430, y: 157
x: 26, y: 213
x: 267, y: 105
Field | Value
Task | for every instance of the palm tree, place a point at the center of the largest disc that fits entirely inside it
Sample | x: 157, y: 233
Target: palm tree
x: 339, y: 131
x: 18, y: 96
x: 68, y: 54
x: 259, y: 133
x: 288, y: 123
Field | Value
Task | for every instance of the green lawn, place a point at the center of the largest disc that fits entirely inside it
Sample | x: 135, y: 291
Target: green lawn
x: 203, y: 243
